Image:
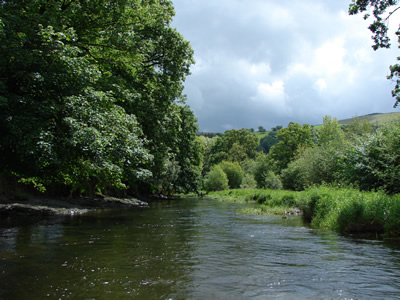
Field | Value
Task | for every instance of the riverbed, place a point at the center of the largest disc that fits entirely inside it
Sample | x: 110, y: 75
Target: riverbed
x: 190, y: 249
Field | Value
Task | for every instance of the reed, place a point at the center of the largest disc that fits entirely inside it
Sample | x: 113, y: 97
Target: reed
x: 346, y: 210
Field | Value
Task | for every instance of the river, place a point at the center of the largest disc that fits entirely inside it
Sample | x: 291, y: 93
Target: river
x: 190, y: 249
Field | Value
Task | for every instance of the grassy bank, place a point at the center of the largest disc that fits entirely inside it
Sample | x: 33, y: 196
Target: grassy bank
x: 276, y: 202
x: 345, y: 210
x: 348, y: 210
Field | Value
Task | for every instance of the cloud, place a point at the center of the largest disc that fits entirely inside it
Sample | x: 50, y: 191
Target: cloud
x: 271, y: 97
x: 265, y: 62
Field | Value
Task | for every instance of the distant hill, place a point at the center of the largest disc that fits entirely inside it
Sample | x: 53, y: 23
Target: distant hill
x: 375, y: 118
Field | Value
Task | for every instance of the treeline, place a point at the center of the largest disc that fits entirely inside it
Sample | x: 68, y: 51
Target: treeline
x: 299, y: 156
x: 91, y: 102
x: 91, y: 98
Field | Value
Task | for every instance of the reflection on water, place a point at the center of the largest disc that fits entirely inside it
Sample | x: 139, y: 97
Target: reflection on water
x: 189, y: 249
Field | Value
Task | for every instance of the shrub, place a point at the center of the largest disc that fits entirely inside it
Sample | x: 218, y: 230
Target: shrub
x: 234, y: 172
x: 313, y: 166
x: 293, y: 177
x: 373, y: 161
x: 248, y: 182
x: 216, y: 180
x: 271, y: 181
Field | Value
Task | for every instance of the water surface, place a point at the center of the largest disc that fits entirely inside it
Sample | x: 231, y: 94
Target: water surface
x: 189, y: 249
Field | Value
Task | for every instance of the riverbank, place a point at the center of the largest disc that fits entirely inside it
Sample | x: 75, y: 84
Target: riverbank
x: 345, y: 210
x: 48, y: 206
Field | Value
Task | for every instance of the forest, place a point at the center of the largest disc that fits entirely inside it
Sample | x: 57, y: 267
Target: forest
x: 91, y: 102
x: 359, y: 154
x: 91, y: 98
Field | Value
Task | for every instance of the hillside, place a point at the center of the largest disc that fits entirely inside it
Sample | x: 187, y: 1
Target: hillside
x: 375, y: 118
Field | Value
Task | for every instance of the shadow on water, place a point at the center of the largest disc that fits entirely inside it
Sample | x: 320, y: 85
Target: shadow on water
x: 196, y: 249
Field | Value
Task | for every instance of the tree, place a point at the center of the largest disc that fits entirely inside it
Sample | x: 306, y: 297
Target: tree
x: 88, y: 93
x: 216, y: 180
x: 379, y: 29
x: 234, y: 172
x: 248, y: 182
x: 373, y: 161
x: 262, y: 167
x: 330, y: 132
x: 313, y: 166
x: 358, y: 127
x: 234, y: 145
x: 271, y: 181
x: 292, y: 138
x: 261, y: 129
x: 268, y: 141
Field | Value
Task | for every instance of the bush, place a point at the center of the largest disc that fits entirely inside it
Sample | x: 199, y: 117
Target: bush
x: 313, y: 166
x: 271, y: 181
x: 248, y: 182
x: 373, y: 161
x: 234, y: 172
x: 293, y: 177
x: 216, y: 180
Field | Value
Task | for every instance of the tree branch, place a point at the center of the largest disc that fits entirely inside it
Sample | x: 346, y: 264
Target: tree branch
x: 391, y: 13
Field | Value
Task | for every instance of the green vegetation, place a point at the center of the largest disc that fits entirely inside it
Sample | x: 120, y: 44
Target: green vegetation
x: 346, y: 210
x: 91, y: 98
x: 91, y: 102
x: 374, y: 119
x: 216, y: 180
x: 304, y: 161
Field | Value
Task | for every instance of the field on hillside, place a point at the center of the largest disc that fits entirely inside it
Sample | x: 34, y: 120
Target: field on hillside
x: 376, y: 119
x: 260, y: 135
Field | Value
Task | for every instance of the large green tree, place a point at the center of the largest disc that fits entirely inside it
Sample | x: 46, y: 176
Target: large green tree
x: 234, y: 145
x: 291, y: 139
x: 88, y: 92
x: 382, y: 11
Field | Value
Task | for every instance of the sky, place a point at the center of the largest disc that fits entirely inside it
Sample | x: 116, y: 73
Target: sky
x: 269, y: 62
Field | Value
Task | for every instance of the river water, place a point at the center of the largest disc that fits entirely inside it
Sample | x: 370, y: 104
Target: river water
x: 190, y: 249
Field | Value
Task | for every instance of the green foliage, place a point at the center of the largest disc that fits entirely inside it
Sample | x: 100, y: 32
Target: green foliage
x: 262, y: 166
x: 294, y: 176
x: 330, y: 133
x: 268, y: 141
x: 234, y: 172
x: 292, y: 138
x: 234, y: 145
x: 271, y: 181
x: 261, y: 129
x: 248, y: 182
x: 270, y: 201
x: 373, y: 161
x: 348, y: 210
x: 358, y: 127
x: 88, y: 93
x: 216, y: 180
x: 313, y: 166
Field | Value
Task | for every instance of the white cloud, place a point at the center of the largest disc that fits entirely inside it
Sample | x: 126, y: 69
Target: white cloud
x: 266, y: 62
x: 321, y: 84
x: 273, y: 91
x: 271, y: 97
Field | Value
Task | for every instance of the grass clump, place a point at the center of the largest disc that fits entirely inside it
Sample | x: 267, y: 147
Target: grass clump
x: 348, y: 210
x: 277, y: 202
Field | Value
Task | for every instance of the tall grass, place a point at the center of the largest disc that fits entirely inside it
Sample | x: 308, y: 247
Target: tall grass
x: 346, y: 210
x: 275, y: 202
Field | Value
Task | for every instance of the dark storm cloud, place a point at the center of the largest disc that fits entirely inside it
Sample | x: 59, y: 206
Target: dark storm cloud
x: 264, y: 62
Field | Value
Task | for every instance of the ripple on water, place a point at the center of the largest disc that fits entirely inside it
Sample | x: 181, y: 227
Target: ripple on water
x: 195, y: 249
